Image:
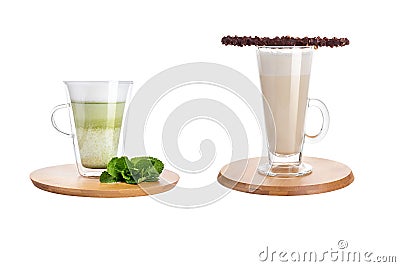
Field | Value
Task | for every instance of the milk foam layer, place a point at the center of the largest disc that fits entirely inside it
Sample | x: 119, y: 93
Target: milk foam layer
x: 98, y: 91
x: 284, y: 61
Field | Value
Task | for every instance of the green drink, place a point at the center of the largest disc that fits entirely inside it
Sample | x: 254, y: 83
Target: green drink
x: 96, y: 110
x: 98, y: 127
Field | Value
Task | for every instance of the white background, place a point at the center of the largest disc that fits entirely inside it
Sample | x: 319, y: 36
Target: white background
x: 45, y: 42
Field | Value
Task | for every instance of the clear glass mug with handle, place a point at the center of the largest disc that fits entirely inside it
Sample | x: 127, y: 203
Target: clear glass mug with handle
x: 284, y: 75
x: 96, y: 111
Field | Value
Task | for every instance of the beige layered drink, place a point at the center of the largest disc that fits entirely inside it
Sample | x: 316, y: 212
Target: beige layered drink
x: 284, y: 81
x: 285, y: 75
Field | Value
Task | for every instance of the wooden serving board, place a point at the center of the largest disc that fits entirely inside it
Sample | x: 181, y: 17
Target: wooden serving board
x: 327, y: 175
x: 65, y: 179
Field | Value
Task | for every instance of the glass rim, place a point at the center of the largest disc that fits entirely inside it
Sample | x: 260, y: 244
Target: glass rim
x: 124, y: 82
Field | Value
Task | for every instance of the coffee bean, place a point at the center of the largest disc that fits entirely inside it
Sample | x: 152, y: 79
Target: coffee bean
x: 284, y: 41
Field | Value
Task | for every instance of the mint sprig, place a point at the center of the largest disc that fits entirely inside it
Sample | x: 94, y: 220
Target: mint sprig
x: 132, y: 171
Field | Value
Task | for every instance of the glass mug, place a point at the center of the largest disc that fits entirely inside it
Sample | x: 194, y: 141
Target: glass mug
x: 96, y: 111
x: 284, y: 75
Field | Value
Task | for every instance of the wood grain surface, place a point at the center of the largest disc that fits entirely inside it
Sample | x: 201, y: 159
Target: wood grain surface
x: 64, y: 179
x: 327, y: 175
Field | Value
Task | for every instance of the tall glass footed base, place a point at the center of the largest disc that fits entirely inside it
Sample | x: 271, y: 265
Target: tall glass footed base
x: 285, y: 166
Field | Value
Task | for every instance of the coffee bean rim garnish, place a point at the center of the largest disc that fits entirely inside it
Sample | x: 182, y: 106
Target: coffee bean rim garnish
x: 284, y: 41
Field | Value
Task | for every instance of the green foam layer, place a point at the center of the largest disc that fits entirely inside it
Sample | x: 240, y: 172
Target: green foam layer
x: 98, y: 115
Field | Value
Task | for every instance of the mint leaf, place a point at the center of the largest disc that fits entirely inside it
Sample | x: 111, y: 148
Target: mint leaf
x: 132, y: 171
x: 142, y: 179
x: 141, y: 162
x: 126, y: 175
x: 158, y: 165
x: 147, y: 163
x: 131, y: 182
x: 152, y: 179
x: 121, y: 164
x: 105, y: 177
x: 111, y: 168
x: 136, y: 160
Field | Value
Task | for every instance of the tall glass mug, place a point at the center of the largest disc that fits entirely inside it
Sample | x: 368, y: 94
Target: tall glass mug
x: 284, y: 75
x: 96, y: 110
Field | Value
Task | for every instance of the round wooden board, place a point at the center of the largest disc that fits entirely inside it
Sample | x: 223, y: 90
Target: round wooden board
x: 64, y: 179
x: 327, y: 175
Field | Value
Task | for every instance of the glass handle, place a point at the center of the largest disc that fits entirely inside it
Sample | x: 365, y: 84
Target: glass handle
x: 53, y: 122
x: 325, y: 121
